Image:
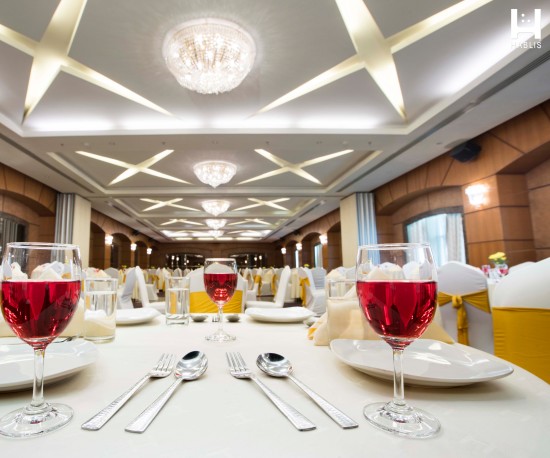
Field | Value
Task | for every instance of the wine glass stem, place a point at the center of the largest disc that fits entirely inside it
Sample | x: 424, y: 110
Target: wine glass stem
x: 398, y: 380
x: 37, y: 404
x: 220, y: 318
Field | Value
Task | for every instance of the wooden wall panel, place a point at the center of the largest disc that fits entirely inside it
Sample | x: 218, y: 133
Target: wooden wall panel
x: 437, y: 171
x: 516, y: 223
x: 540, y: 217
x: 539, y: 176
x: 512, y: 190
x: 483, y: 226
x: 526, y: 131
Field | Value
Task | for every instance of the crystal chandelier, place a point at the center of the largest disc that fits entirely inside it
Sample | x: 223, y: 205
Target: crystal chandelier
x: 215, y: 207
x: 215, y: 173
x: 209, y: 56
x: 216, y: 223
x: 216, y: 234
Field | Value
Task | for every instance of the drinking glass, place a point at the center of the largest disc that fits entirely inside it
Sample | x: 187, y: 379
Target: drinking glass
x: 397, y: 289
x: 220, y: 282
x: 40, y: 293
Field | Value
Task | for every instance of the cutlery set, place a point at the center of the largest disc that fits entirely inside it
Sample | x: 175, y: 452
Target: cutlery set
x: 192, y: 365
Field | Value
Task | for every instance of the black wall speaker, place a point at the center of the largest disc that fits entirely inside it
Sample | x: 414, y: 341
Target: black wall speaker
x: 465, y: 152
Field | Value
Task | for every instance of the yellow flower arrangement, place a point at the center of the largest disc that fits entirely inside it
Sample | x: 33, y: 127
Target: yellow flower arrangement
x: 498, y: 258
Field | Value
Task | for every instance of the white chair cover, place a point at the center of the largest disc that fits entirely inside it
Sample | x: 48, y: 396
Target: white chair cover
x: 520, y: 266
x: 279, y: 299
x: 316, y: 299
x: 457, y: 278
x: 112, y: 272
x: 124, y: 294
x: 144, y: 295
x: 319, y: 274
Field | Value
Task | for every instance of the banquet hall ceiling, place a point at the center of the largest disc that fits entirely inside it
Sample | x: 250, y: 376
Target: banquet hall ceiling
x: 343, y: 96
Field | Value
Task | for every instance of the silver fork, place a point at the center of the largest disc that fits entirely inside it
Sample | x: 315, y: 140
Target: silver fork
x: 238, y: 369
x: 163, y: 368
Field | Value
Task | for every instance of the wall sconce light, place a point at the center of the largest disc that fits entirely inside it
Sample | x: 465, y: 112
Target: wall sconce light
x: 323, y: 239
x: 477, y: 194
x: 149, y: 250
x: 299, y: 246
x: 108, y: 239
x: 283, y: 250
x: 133, y: 246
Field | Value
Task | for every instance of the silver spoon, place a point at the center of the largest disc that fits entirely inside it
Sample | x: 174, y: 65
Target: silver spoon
x: 190, y: 367
x: 278, y: 366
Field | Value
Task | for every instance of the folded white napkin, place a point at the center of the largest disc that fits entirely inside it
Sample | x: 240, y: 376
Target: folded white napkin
x: 334, y: 274
x: 344, y: 319
x: 92, y: 272
x: 49, y: 271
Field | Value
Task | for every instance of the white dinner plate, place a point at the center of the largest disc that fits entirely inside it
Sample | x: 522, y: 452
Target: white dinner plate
x: 279, y: 315
x: 425, y: 362
x: 136, y: 316
x: 62, y: 360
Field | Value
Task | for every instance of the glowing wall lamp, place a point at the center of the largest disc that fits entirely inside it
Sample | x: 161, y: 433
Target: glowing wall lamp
x: 477, y: 194
x: 108, y: 239
x: 299, y: 246
x: 149, y: 250
x: 283, y: 250
x: 323, y: 239
x: 133, y: 247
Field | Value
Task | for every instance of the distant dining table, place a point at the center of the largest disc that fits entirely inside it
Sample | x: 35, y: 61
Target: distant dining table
x: 221, y: 416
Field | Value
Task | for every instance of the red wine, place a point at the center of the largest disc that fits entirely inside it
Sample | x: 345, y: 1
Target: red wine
x: 38, y: 311
x: 220, y: 287
x: 401, y: 309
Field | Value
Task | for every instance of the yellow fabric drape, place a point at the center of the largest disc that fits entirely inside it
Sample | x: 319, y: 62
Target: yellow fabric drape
x: 199, y: 302
x: 258, y: 279
x: 521, y: 337
x: 478, y: 299
x: 303, y: 283
x: 274, y: 284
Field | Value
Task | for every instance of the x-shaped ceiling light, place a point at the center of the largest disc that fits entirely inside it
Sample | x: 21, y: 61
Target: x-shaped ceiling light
x: 133, y: 169
x: 374, y: 52
x: 297, y: 169
x: 51, y: 55
x: 166, y: 203
x: 269, y: 203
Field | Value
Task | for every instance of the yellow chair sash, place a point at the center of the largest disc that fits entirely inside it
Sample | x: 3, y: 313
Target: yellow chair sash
x: 478, y: 299
x: 274, y: 285
x: 304, y: 281
x: 258, y: 279
x: 520, y: 337
x: 199, y: 302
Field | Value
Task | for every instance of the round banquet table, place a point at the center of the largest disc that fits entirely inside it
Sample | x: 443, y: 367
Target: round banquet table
x: 220, y: 416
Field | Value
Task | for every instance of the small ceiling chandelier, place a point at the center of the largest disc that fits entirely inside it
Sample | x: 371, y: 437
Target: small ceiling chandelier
x: 215, y: 173
x: 216, y: 234
x: 209, y: 56
x: 216, y: 223
x: 215, y: 207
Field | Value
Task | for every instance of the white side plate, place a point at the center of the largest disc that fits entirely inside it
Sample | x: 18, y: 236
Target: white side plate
x: 425, y: 362
x: 136, y: 316
x: 279, y: 315
x: 62, y: 360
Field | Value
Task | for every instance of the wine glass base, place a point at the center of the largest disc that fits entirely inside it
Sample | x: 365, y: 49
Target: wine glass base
x: 402, y: 420
x: 220, y: 336
x: 26, y: 423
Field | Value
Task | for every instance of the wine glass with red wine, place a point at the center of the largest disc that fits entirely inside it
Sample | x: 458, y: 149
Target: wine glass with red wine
x: 40, y: 293
x: 397, y: 290
x: 220, y: 282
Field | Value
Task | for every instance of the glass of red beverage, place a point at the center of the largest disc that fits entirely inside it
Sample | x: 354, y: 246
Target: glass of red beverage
x: 397, y: 290
x: 220, y: 282
x: 40, y: 292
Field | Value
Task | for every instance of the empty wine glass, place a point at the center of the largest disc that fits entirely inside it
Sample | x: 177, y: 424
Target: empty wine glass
x: 220, y: 282
x: 40, y: 293
x: 397, y: 289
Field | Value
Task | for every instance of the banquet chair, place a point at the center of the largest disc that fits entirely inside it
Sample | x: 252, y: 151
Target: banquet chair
x: 200, y: 302
x: 124, y: 293
x: 178, y: 272
x: 319, y: 274
x: 464, y: 304
x: 112, y: 272
x: 521, y: 318
x: 520, y: 266
x: 314, y: 299
x: 279, y: 298
x: 265, y: 286
x: 144, y: 292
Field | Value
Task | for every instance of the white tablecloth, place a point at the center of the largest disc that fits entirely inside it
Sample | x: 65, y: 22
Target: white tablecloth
x: 219, y: 416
